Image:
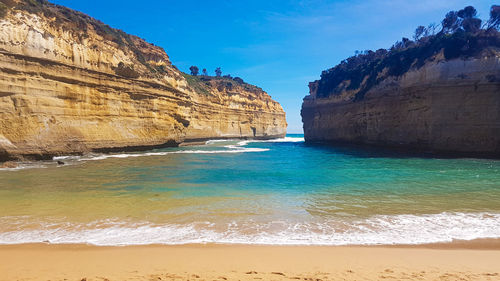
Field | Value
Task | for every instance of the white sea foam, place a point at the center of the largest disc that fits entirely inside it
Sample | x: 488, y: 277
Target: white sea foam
x: 68, y: 157
x: 218, y: 141
x: 285, y: 139
x: 377, y: 230
x: 239, y: 147
x: 234, y: 149
x: 26, y: 165
x: 231, y: 148
x: 245, y: 142
x: 12, y: 169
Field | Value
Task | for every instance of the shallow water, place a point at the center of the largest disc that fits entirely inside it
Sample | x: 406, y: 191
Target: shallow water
x: 265, y: 192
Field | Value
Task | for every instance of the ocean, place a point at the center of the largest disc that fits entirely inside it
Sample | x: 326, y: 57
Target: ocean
x: 277, y: 192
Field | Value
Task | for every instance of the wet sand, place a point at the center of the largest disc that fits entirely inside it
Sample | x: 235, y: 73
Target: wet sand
x: 477, y: 260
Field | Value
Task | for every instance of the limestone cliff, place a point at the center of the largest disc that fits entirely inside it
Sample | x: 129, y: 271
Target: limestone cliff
x: 443, y: 102
x: 71, y: 84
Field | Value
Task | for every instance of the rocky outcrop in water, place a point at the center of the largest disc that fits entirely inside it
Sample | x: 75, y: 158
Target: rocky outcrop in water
x: 71, y: 84
x: 442, y: 96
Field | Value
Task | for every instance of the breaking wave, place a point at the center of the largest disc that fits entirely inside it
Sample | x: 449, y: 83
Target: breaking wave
x: 376, y: 230
x: 230, y: 147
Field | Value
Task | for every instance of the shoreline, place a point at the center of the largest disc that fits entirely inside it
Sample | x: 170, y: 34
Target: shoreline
x: 12, y: 162
x: 16, y: 164
x: 474, y: 244
x: 37, y: 157
x: 250, y: 262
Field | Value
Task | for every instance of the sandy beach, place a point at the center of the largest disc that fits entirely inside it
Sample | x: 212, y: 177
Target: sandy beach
x: 458, y: 261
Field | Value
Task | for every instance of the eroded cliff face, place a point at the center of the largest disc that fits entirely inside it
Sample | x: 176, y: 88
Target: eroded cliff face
x: 70, y: 84
x: 444, y: 106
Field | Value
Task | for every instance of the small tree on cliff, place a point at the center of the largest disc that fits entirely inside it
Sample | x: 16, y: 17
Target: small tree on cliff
x: 494, y: 21
x: 194, y: 70
x: 204, y: 72
x: 419, y: 32
x: 218, y: 72
x: 431, y: 29
x: 467, y: 13
x: 469, y: 22
x: 450, y: 22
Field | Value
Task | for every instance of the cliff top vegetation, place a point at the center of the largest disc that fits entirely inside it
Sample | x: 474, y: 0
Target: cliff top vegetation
x: 203, y: 83
x: 460, y: 35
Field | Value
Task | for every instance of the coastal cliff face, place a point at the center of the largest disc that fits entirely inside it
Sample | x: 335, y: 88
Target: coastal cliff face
x: 443, y: 106
x: 71, y: 84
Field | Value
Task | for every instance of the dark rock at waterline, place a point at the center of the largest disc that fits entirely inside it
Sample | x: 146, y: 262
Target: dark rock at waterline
x: 60, y: 163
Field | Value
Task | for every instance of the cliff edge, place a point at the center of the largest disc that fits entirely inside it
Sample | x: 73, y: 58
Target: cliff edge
x: 439, y: 94
x: 70, y: 84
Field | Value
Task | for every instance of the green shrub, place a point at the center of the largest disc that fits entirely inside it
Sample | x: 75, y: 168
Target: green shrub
x: 196, y: 83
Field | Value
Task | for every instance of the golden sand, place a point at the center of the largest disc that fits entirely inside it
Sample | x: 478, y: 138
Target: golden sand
x: 466, y: 261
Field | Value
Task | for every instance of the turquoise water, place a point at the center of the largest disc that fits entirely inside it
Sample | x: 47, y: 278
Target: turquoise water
x: 253, y: 192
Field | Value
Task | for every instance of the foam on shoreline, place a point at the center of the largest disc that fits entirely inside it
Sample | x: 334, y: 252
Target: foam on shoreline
x: 376, y: 230
x: 237, y: 147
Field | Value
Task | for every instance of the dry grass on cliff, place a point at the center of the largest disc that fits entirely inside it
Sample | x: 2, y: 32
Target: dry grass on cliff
x: 196, y: 83
x: 204, y: 84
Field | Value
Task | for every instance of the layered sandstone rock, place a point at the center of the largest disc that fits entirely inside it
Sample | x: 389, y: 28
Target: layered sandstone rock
x: 70, y: 84
x: 444, y: 106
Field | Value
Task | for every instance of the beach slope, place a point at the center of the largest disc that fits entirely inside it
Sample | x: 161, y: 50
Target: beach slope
x: 243, y: 262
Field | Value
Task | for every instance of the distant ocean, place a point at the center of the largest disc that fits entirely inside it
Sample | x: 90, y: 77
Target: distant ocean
x: 281, y: 192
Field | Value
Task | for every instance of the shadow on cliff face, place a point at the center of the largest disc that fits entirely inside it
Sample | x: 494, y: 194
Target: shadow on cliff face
x: 370, y: 151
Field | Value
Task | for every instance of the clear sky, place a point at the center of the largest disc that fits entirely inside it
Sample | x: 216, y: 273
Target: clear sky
x: 279, y: 46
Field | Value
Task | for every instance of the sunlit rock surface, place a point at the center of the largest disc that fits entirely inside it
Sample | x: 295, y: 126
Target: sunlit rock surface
x: 71, y: 84
x: 449, y: 106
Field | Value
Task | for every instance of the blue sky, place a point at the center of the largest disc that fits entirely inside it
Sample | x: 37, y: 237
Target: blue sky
x: 279, y: 46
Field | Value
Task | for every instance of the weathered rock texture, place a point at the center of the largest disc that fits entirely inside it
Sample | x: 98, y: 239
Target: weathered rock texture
x: 70, y: 84
x: 444, y: 106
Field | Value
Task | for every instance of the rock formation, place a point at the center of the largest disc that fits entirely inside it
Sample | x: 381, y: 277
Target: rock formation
x: 71, y: 84
x: 439, y: 97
